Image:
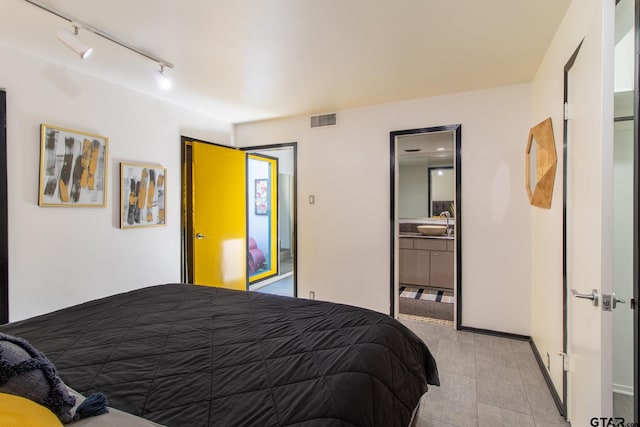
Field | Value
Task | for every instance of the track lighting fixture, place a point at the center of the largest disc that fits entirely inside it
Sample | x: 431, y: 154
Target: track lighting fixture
x: 74, y: 43
x: 163, y: 81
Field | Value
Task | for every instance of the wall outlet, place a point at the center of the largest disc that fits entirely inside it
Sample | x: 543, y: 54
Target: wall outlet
x: 548, y: 362
x: 312, y: 295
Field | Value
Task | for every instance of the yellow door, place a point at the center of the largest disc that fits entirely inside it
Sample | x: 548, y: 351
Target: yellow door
x: 219, y: 231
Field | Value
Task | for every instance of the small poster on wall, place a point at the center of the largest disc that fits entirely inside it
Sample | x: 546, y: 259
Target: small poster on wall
x: 262, y: 196
x: 73, y: 169
x: 142, y: 195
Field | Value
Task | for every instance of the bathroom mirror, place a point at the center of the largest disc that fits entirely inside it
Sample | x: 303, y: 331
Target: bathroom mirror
x: 541, y: 161
x: 442, y: 190
x: 425, y: 174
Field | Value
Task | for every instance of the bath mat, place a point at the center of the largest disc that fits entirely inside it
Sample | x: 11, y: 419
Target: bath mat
x: 426, y: 294
x: 422, y: 302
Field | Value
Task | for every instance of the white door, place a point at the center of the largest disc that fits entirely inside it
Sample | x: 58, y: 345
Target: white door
x: 588, y: 240
x: 601, y: 225
x: 588, y: 237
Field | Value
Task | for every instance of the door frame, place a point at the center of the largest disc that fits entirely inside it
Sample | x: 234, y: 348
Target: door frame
x: 263, y: 157
x: 457, y: 131
x: 561, y: 401
x: 4, y: 214
x: 294, y: 243
x: 636, y: 184
x: 187, y: 241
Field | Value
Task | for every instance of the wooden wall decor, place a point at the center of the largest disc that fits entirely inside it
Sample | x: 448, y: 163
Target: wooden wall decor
x: 541, y: 159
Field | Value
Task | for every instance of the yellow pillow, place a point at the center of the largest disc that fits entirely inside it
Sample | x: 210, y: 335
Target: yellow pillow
x: 16, y: 411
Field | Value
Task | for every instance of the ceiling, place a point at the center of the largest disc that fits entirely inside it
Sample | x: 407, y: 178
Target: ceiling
x: 248, y: 60
x: 426, y: 149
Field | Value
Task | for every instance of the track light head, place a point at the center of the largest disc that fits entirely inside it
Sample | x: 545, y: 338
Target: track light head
x: 83, y: 50
x: 163, y: 81
x: 72, y: 41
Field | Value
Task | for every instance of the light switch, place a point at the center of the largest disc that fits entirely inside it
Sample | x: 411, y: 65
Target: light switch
x: 312, y: 199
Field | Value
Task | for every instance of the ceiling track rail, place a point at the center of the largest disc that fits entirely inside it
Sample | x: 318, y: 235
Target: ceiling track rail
x: 99, y: 32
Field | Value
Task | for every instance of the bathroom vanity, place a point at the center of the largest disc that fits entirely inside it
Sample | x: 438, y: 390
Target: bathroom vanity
x: 425, y: 260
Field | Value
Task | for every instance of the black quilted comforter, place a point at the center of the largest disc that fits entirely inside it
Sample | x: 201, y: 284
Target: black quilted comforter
x: 184, y: 355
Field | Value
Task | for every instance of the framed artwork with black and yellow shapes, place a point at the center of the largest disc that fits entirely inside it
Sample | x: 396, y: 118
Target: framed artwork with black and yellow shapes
x: 73, y: 168
x: 143, y: 197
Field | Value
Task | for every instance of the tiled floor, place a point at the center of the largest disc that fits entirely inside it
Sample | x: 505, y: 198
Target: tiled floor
x: 485, y: 381
x: 283, y: 286
x: 623, y: 406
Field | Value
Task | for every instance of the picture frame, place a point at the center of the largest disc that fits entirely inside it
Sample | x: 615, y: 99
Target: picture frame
x: 73, y: 168
x: 143, y: 196
x: 262, y: 196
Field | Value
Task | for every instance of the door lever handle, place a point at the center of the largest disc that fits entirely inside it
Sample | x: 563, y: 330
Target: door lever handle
x: 593, y: 296
x: 615, y: 300
x: 200, y: 236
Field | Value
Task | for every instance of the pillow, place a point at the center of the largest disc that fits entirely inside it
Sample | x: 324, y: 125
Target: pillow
x: 26, y: 372
x: 16, y: 411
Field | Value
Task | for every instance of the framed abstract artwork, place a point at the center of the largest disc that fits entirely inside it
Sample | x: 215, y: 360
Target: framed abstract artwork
x: 73, y: 168
x: 262, y: 196
x: 143, y: 195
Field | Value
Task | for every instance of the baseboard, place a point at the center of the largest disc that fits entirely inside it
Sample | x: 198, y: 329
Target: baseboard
x: 623, y: 389
x: 495, y: 333
x: 285, y: 254
x: 556, y: 397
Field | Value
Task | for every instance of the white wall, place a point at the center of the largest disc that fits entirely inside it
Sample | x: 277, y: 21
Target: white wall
x: 584, y: 19
x: 63, y: 256
x: 343, y: 246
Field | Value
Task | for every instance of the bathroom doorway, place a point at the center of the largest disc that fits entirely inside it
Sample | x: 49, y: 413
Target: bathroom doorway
x: 425, y: 224
x: 285, y: 282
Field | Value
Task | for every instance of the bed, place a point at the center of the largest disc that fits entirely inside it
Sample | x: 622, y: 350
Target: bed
x: 185, y: 355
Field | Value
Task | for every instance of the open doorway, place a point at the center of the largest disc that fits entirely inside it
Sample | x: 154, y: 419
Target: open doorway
x: 425, y: 224
x: 216, y: 246
x: 285, y: 281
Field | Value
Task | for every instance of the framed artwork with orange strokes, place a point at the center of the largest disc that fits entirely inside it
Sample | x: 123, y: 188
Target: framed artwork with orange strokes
x: 143, y: 195
x: 73, y: 168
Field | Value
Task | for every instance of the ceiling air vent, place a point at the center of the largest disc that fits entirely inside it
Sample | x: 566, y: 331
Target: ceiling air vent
x: 323, y: 120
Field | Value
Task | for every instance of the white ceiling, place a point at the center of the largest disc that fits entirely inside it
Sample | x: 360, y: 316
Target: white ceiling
x: 426, y: 149
x: 247, y: 60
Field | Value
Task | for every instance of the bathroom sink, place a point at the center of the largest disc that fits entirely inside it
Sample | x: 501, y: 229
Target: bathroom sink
x: 432, y: 230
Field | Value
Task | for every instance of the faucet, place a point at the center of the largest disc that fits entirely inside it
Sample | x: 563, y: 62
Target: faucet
x: 446, y: 215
